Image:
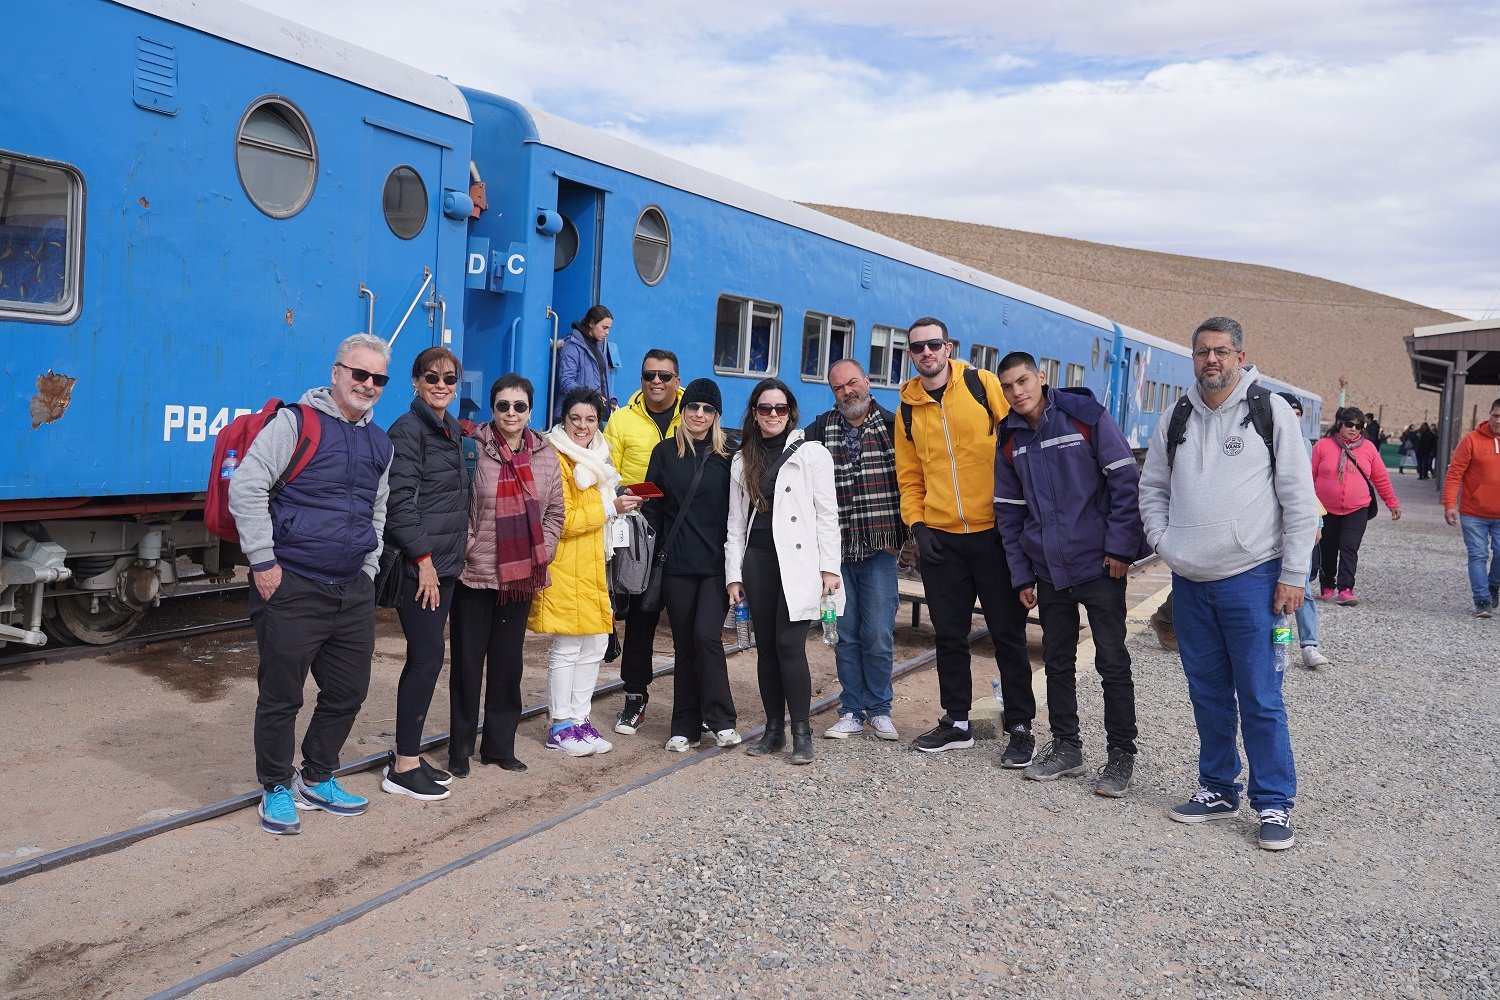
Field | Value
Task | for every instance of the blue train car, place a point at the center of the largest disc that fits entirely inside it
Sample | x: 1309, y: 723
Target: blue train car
x: 197, y: 203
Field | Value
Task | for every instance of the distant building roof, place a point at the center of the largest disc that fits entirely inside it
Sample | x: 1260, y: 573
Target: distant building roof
x: 1472, y: 348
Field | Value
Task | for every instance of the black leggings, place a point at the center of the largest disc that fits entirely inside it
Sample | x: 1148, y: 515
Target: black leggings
x: 487, y: 640
x: 780, y: 643
x: 425, y: 639
x: 696, y: 606
x: 1342, y: 534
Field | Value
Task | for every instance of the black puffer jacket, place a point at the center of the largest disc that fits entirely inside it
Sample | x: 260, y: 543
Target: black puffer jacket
x: 428, y: 509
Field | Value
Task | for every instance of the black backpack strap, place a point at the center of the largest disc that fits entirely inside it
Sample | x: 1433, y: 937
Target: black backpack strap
x: 1261, y: 418
x: 1177, y: 427
x: 981, y: 396
x: 906, y: 418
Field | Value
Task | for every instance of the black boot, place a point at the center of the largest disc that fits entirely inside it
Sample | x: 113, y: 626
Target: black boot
x: 772, y: 741
x: 802, y: 743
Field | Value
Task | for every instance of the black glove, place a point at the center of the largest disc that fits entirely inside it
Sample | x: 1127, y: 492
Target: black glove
x: 928, y: 545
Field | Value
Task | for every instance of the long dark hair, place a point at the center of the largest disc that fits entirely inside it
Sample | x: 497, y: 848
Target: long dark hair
x: 1342, y: 414
x: 755, y: 457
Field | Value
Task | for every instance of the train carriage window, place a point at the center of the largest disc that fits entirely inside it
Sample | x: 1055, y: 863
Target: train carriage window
x: 277, y: 157
x: 1075, y: 375
x: 747, y: 337
x: 887, y: 355
x: 825, y: 339
x: 41, y: 229
x: 1053, y: 369
x: 404, y: 202
x: 984, y: 356
x: 1148, y: 400
x: 653, y: 245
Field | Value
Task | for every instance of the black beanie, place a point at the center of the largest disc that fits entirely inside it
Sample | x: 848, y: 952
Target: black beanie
x: 703, y: 390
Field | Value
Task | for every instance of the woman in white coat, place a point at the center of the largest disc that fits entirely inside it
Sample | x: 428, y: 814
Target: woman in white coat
x: 782, y: 555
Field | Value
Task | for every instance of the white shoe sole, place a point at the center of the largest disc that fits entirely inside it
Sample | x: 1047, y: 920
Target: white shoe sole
x: 955, y: 745
x: 838, y: 734
x: 387, y: 785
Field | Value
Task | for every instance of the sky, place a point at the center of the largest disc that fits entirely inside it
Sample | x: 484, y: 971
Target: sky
x: 1356, y: 140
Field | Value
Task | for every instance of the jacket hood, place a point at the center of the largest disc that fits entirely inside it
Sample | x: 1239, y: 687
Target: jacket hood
x: 912, y: 391
x: 321, y: 399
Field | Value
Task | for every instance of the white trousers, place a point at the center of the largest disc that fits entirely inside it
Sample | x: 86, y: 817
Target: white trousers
x: 572, y: 673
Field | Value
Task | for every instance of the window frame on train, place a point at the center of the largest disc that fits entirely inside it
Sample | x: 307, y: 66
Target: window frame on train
x: 67, y: 306
x: 276, y: 204
x: 1052, y: 368
x: 746, y: 311
x: 652, y: 252
x: 822, y: 332
x: 892, y: 339
x: 1074, y: 375
x: 393, y: 214
x: 985, y: 356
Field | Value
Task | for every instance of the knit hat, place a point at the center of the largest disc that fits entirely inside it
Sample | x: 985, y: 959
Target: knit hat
x: 1293, y: 401
x: 703, y: 390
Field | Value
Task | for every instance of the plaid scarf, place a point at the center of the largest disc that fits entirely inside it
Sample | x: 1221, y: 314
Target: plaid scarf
x: 865, y: 480
x: 520, y: 548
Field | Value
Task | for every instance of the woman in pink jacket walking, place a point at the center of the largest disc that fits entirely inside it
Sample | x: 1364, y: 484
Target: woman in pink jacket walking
x: 1347, y: 475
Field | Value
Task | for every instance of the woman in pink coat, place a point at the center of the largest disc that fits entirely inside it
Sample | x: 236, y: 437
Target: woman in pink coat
x: 1347, y: 475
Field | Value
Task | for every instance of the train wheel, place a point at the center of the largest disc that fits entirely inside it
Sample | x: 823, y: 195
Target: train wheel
x: 77, y: 623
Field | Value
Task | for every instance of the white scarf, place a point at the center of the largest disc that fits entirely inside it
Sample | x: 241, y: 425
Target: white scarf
x: 591, y: 468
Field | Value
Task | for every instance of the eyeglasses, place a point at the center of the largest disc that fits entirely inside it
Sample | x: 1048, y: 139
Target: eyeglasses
x: 919, y: 346
x: 766, y: 409
x: 657, y: 376
x: 1358, y: 425
x: 505, y: 406
x: 707, y: 408
x: 433, y: 378
x: 1222, y: 353
x: 360, y: 375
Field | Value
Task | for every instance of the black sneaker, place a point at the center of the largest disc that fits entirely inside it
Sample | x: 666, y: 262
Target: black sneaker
x: 1114, y: 777
x: 1057, y: 760
x: 1021, y: 750
x: 435, y: 773
x: 416, y: 784
x: 944, y: 736
x: 633, y: 714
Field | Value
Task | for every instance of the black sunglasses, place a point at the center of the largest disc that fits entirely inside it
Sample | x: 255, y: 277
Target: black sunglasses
x: 766, y: 409
x: 707, y: 408
x: 656, y: 376
x: 505, y: 406
x: 1358, y: 425
x: 433, y: 378
x: 360, y: 375
x: 919, y: 346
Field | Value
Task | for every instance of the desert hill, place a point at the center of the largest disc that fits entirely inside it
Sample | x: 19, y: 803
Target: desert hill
x: 1306, y: 330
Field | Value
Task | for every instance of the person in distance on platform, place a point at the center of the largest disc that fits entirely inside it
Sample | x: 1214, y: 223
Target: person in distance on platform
x: 515, y: 520
x: 1426, y: 450
x: 1307, y: 612
x: 860, y: 436
x: 583, y: 361
x: 1237, y: 536
x: 1067, y: 509
x: 692, y: 470
x: 1347, y: 472
x: 1471, y: 497
x: 1371, y: 431
x: 575, y: 609
x: 428, y: 521
x: 649, y: 418
x: 782, y: 555
x: 314, y: 548
x: 945, y: 467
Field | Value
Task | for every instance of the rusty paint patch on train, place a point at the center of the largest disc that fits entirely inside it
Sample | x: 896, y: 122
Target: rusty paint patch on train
x: 53, y: 394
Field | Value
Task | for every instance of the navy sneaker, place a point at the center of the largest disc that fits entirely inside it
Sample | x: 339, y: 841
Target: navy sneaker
x: 278, y: 813
x: 1275, y: 830
x: 1020, y: 751
x: 328, y: 796
x: 1204, y: 806
x: 944, y: 736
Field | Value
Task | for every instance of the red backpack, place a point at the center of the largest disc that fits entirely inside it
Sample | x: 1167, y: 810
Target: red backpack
x: 237, y: 437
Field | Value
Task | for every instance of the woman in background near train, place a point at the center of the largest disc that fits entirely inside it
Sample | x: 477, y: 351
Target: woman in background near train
x: 427, y: 518
x: 582, y: 361
x: 1347, y: 474
x: 693, y: 575
x: 515, y: 520
x: 782, y: 555
x: 575, y: 609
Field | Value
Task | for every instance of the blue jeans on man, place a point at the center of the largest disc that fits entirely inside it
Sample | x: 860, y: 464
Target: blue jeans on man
x: 1482, y: 539
x: 1307, y: 614
x: 1224, y: 635
x: 867, y: 640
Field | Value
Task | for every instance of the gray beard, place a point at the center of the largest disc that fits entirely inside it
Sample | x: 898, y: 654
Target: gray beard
x: 855, y: 409
x: 1218, y: 384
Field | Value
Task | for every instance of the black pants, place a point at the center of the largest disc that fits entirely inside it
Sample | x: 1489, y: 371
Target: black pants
x: 639, y: 647
x: 696, y: 606
x: 487, y: 639
x: 1342, y: 534
x: 1104, y: 602
x: 424, y: 661
x: 780, y: 643
x: 971, y: 566
x: 330, y: 630
x: 1425, y: 460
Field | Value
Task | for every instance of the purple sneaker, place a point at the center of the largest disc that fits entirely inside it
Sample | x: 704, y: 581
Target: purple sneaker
x: 591, y: 735
x: 570, y: 740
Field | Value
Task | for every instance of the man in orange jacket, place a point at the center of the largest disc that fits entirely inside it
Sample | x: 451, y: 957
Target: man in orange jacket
x: 1471, y: 496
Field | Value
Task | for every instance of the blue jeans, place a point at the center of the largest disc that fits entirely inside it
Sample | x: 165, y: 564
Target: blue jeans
x: 1482, y: 539
x: 1224, y: 636
x: 867, y: 638
x: 1307, y: 611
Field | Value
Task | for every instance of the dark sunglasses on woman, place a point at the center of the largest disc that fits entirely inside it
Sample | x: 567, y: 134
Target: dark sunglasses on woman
x: 433, y: 378
x: 766, y: 409
x: 505, y: 406
x: 707, y: 408
x: 1358, y: 425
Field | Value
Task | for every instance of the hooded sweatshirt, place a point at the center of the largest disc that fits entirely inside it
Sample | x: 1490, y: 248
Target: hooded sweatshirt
x: 1472, y: 483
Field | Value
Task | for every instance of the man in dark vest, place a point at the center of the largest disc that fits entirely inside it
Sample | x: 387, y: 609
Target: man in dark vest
x: 313, y: 548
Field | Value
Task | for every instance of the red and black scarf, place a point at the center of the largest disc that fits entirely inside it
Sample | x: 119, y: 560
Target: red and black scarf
x: 520, y: 546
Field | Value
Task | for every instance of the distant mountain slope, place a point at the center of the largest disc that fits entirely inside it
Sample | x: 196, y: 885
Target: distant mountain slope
x: 1306, y: 330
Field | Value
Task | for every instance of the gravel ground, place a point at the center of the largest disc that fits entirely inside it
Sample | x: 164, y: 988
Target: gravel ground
x: 879, y: 871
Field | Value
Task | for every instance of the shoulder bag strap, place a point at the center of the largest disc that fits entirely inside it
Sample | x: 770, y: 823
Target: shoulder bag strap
x: 687, y: 502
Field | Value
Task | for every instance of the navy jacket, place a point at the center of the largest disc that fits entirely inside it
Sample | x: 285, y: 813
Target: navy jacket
x: 1066, y: 494
x: 428, y: 509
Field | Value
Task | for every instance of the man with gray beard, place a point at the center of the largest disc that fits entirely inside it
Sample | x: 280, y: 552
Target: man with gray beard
x: 860, y: 434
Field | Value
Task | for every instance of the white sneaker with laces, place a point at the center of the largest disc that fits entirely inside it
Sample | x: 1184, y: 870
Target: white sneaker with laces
x: 884, y: 727
x: 846, y: 727
x: 727, y: 738
x: 680, y: 744
x: 1312, y: 659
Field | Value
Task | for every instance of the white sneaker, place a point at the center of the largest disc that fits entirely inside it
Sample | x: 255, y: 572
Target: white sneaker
x: 846, y: 727
x: 680, y: 744
x: 1312, y: 659
x: 884, y: 727
x: 592, y: 737
x: 727, y: 738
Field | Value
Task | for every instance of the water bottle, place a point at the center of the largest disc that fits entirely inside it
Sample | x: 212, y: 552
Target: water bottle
x: 742, y: 623
x: 231, y: 462
x: 1283, y: 642
x: 999, y: 705
x: 830, y: 619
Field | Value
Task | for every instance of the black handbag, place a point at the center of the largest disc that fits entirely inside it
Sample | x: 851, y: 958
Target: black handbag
x: 1372, y: 510
x: 650, y: 600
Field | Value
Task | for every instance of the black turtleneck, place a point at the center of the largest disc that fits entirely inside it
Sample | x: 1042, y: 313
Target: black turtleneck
x: 760, y: 530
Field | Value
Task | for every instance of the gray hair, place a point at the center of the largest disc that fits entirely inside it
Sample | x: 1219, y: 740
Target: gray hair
x: 1222, y: 324
x: 846, y: 361
x: 369, y: 342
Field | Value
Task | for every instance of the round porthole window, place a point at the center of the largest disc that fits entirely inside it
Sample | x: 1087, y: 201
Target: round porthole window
x: 276, y: 157
x: 565, y: 245
x: 653, y: 245
x: 404, y: 202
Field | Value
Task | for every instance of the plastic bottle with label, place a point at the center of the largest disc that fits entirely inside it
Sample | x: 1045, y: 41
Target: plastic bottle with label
x: 829, y: 616
x: 1284, y: 642
x: 742, y: 623
x: 231, y: 462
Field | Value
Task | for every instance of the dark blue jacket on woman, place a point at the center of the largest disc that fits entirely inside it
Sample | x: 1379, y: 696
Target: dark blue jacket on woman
x: 428, y: 509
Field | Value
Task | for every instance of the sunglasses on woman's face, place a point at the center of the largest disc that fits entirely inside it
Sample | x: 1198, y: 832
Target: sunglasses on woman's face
x: 1358, y: 425
x: 505, y: 406
x: 766, y: 409
x: 433, y: 378
x: 704, y: 408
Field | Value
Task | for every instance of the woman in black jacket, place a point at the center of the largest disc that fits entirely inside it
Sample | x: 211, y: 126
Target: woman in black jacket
x: 693, y: 576
x: 427, y: 519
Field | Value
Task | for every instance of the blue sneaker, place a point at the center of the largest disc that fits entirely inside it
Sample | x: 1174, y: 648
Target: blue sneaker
x: 278, y: 813
x: 328, y: 796
x: 1275, y: 830
x: 1204, y: 806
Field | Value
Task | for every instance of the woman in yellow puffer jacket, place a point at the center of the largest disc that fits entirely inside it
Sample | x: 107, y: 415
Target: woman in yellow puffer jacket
x: 575, y: 609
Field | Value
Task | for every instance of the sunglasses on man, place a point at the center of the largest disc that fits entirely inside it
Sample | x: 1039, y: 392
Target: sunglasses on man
x: 657, y: 376
x: 505, y: 406
x: 433, y: 378
x: 921, y: 346
x: 360, y: 375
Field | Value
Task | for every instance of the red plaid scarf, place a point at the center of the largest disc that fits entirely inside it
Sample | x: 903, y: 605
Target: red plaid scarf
x: 520, y: 547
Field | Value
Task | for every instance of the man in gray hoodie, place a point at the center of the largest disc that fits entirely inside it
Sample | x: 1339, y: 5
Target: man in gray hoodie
x: 313, y: 546
x: 1236, y: 525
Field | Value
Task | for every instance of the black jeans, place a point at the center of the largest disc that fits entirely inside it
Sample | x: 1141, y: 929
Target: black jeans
x: 780, y: 643
x: 696, y: 606
x: 639, y: 647
x: 330, y: 630
x: 971, y: 566
x: 1342, y: 534
x: 425, y: 642
x: 1104, y: 601
x: 487, y: 639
